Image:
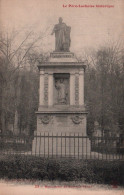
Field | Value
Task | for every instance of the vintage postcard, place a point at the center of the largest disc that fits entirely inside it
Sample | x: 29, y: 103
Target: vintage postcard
x: 61, y: 97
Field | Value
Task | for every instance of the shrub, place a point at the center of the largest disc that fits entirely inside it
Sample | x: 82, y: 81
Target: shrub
x: 31, y: 167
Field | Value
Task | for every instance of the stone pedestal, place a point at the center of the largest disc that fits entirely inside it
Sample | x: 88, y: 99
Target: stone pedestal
x: 61, y: 99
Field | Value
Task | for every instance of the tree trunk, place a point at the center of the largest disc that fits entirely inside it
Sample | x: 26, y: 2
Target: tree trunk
x: 16, y: 128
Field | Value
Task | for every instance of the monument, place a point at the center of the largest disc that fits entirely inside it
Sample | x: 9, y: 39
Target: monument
x: 61, y: 95
x: 62, y: 36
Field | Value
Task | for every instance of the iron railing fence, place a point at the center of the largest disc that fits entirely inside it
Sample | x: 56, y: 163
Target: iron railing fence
x: 63, y: 145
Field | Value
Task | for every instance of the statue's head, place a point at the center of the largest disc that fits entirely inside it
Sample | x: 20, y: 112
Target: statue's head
x: 61, y: 80
x: 60, y: 20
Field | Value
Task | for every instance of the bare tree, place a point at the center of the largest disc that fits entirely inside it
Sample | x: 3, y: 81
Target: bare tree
x: 13, y: 58
x: 104, y: 89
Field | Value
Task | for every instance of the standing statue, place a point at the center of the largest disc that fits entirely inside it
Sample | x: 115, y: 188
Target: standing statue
x: 62, y: 94
x: 62, y: 36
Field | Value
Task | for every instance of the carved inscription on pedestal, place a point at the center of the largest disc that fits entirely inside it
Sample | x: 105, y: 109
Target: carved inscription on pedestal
x: 61, y: 118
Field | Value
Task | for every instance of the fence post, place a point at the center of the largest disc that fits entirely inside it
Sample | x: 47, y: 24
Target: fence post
x: 48, y: 144
x: 61, y: 145
x: 57, y: 145
x: 44, y: 145
x: 78, y: 145
x: 74, y: 145
x: 65, y: 144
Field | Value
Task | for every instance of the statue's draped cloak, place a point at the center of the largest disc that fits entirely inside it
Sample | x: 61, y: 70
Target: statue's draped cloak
x: 60, y: 30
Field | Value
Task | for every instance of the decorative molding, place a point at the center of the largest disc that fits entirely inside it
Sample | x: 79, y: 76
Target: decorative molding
x: 77, y: 89
x: 77, y: 119
x: 62, y: 63
x: 72, y: 73
x: 50, y: 73
x: 46, y: 89
x: 41, y: 88
x: 45, y: 119
x: 81, y: 72
x: 62, y: 55
x: 41, y: 72
x: 70, y: 63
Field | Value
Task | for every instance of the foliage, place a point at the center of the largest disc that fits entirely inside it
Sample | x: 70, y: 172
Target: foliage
x: 18, y: 83
x: 29, y: 167
x: 104, y: 90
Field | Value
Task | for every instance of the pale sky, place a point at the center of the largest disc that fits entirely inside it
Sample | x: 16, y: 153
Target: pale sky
x: 90, y: 27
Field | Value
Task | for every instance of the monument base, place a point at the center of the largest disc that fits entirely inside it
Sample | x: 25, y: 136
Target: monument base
x: 61, y: 131
x: 61, y: 118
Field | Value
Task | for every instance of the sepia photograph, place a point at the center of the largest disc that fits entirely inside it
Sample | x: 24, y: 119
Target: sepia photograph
x: 61, y: 97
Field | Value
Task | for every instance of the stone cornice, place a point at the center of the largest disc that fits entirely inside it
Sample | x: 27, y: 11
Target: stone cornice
x: 61, y: 64
x: 61, y: 112
x: 62, y: 109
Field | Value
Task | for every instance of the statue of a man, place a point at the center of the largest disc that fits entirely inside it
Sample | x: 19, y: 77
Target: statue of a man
x: 62, y: 36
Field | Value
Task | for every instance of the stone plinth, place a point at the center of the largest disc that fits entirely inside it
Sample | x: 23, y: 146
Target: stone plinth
x: 61, y: 95
x: 61, y: 118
